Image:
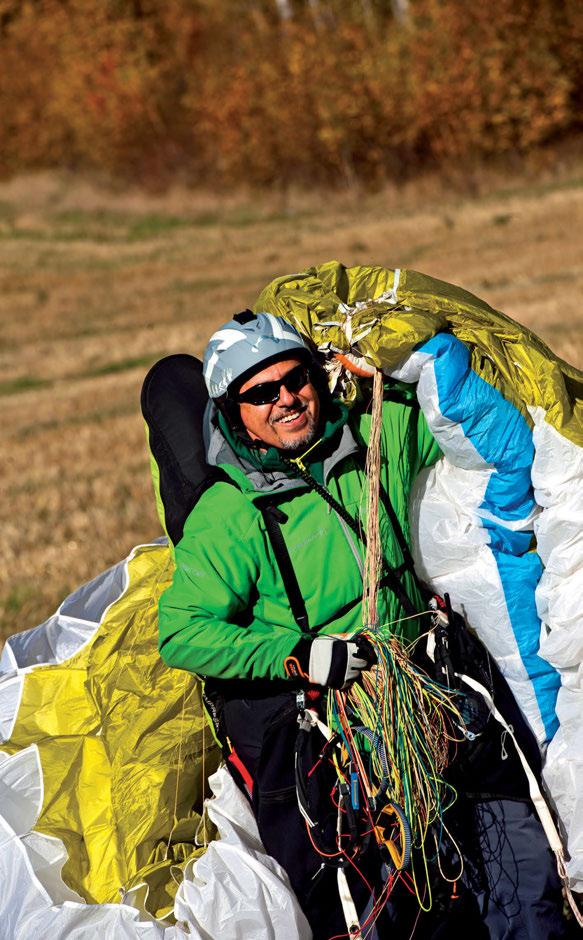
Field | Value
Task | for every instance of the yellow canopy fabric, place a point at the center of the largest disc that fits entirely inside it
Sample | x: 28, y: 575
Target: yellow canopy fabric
x: 124, y: 748
x: 391, y: 311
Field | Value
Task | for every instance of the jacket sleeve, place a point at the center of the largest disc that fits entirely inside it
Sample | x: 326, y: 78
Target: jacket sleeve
x: 204, y: 616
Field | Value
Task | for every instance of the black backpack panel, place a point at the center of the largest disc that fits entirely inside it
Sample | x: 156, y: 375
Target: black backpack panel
x: 173, y: 400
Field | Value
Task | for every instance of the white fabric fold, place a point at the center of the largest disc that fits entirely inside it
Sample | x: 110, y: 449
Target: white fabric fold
x: 234, y: 892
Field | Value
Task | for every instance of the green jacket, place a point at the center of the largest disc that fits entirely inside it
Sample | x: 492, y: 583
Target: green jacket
x: 226, y: 614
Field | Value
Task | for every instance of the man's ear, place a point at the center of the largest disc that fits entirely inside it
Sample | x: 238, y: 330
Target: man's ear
x: 231, y: 412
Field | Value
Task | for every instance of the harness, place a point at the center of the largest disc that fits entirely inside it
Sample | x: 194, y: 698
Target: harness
x: 173, y: 400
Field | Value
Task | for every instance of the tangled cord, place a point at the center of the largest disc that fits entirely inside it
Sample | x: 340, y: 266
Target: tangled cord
x: 397, y: 726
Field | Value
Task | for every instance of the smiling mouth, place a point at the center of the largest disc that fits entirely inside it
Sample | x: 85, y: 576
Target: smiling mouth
x: 291, y: 416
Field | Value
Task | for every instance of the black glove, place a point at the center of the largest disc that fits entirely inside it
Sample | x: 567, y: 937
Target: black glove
x: 329, y: 661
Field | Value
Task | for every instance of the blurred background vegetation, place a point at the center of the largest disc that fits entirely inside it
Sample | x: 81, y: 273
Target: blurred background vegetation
x: 275, y: 93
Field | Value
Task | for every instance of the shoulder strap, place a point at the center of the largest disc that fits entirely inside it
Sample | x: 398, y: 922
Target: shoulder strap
x: 407, y: 563
x: 273, y: 517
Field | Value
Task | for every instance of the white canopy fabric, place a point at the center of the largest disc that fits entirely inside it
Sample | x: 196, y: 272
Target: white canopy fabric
x: 234, y: 892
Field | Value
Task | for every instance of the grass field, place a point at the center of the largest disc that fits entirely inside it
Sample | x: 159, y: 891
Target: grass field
x: 95, y: 287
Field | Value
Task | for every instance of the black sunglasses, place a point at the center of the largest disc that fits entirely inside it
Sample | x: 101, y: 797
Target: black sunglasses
x: 267, y: 393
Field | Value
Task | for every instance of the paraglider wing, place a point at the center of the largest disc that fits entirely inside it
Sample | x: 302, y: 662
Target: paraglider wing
x: 497, y: 523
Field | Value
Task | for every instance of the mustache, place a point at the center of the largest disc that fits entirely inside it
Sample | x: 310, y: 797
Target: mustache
x: 285, y: 411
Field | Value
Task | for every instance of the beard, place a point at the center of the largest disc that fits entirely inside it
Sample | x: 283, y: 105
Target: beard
x: 299, y: 442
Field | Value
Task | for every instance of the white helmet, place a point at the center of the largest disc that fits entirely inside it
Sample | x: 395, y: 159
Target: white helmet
x: 246, y: 344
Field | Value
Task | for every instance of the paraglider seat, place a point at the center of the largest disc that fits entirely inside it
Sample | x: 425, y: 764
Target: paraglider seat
x: 173, y: 400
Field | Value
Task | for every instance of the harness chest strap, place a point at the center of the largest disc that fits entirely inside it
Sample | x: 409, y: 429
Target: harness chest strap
x: 273, y: 517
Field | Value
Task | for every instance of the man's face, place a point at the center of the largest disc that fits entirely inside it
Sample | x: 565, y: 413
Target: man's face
x: 291, y: 422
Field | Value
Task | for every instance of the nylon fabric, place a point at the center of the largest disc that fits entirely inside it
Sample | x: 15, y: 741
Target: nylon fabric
x: 234, y: 874
x: 478, y: 430
x: 359, y: 310
x: 116, y: 813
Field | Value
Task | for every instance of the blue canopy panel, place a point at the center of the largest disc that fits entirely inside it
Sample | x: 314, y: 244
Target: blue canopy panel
x: 490, y: 568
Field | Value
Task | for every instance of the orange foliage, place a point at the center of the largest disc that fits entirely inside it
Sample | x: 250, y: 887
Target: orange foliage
x: 225, y: 93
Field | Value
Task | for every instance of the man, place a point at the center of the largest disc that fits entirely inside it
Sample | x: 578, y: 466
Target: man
x: 266, y: 598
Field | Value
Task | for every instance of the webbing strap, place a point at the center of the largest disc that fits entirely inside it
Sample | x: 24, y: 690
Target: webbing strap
x: 408, y: 564
x: 540, y: 804
x: 273, y: 517
x: 348, y: 906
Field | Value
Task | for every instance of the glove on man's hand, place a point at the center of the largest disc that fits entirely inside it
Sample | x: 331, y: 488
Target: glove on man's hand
x: 329, y: 661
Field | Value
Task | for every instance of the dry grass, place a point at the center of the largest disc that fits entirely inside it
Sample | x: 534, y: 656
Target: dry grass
x: 96, y: 286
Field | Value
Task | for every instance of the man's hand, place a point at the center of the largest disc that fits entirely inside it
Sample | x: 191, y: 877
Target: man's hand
x: 329, y: 661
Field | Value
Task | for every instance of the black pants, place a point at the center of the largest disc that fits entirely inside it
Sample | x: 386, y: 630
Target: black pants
x: 509, y: 888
